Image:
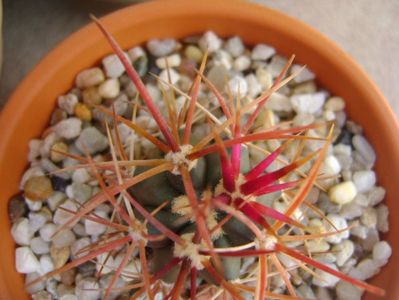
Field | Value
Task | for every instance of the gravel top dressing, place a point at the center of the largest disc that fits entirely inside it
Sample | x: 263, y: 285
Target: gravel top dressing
x: 220, y: 228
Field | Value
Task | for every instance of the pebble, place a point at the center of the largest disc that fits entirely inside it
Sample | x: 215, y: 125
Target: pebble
x: 234, y: 46
x: 105, y: 263
x: 335, y: 104
x: 57, y: 116
x: 38, y: 219
x: 81, y: 175
x: 95, y: 228
x: 304, y: 75
x: 63, y: 238
x: 364, y: 180
x: 193, y: 53
x: 79, y: 245
x: 135, y: 53
x: 34, y: 149
x: 79, y: 191
x: 254, y: 87
x: 364, y: 148
x: 109, y: 88
x: 382, y: 251
x: 210, y: 41
x: 68, y: 277
x: 382, y: 218
x: 170, y: 61
x: 46, y: 264
x: 55, y: 154
x: 242, y: 63
x: 325, y: 279
x: 25, y: 261
x: 264, y: 77
x: 32, y: 289
x: 121, y: 105
x: 69, y: 128
x: 372, y: 237
x: 369, y: 217
x: 223, y: 58
x: 348, y: 291
x: 55, y: 199
x: 160, y: 48
x: 49, y: 141
x: 62, y: 216
x: 351, y: 210
x: 317, y: 245
x: 339, y: 223
x: 113, y: 67
x: 38, y: 188
x: 42, y: 295
x: 343, y: 252
x: 262, y: 52
x: 170, y: 76
x: 91, y: 96
x: 303, y: 119
x: 308, y: 103
x: 33, y: 205
x: 17, y: 208
x: 91, y: 140
x: 68, y: 102
x: 343, y: 193
x: 47, y: 232
x: 59, y: 256
x: 89, y: 77
x: 331, y: 166
x: 238, y: 86
x: 88, y: 289
x: 217, y: 75
x: 365, y: 269
x: 307, y: 87
x: 376, y: 195
x: 83, y: 112
x: 21, y: 232
x: 276, y: 65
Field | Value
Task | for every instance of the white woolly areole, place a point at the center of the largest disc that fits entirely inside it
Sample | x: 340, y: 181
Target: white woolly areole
x: 189, y: 250
x: 268, y: 242
x: 180, y: 158
x: 181, y: 205
x: 237, y: 193
x: 136, y: 231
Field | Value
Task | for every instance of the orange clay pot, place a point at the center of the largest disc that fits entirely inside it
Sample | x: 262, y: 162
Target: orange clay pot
x: 28, y: 110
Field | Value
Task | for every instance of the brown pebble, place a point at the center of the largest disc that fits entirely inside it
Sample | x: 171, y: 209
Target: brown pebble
x: 57, y: 116
x: 59, y: 255
x: 38, y: 188
x: 17, y: 208
x: 91, y: 96
x: 55, y: 154
x: 68, y: 277
x: 83, y: 112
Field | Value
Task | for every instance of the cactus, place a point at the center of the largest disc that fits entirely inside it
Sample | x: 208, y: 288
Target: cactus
x: 199, y: 211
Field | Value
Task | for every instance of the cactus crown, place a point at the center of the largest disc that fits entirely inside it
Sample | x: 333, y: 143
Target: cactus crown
x: 196, y: 209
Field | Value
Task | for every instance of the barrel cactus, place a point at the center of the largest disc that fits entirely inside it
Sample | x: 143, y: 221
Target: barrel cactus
x: 197, y: 209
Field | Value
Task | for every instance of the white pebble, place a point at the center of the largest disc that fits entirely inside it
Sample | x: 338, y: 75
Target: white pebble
x: 351, y: 210
x: 39, y: 246
x: 238, y: 86
x: 131, y: 271
x: 369, y: 217
x: 62, y: 216
x: 48, y: 142
x: 264, y: 77
x: 34, y: 149
x: 304, y: 75
x: 254, y: 87
x: 335, y: 104
x: 308, y: 103
x: 63, y: 238
x: 339, y: 223
x: 210, y: 41
x: 80, y: 175
x: 242, y: 63
x: 364, y: 180
x: 135, y: 53
x: 31, y: 172
x: 343, y: 252
x: 33, y: 205
x: 358, y: 230
x: 317, y: 245
x: 46, y: 264
x: 37, y: 220
x: 25, y: 261
x: 376, y: 195
x: 89, y: 77
x: 382, y: 251
x: 348, y: 291
x: 68, y: 102
x: 382, y: 218
x: 364, y: 148
x: 366, y: 269
x: 113, y: 66
x: 79, y: 191
x: 47, y: 232
x: 88, y: 289
x: 160, y: 48
x: 325, y: 279
x: 21, y: 232
x: 32, y: 289
x: 343, y: 193
x: 170, y: 61
x: 164, y: 75
x: 109, y: 88
x: 279, y: 102
x: 372, y: 237
x: 331, y: 166
x: 55, y: 199
x: 105, y: 263
x: 95, y: 228
x: 222, y: 58
x: 91, y: 140
x: 342, y: 149
x: 262, y: 52
x: 79, y: 245
x: 234, y: 46
x: 68, y: 128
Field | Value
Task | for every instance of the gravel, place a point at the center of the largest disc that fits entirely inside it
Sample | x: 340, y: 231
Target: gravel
x: 350, y: 198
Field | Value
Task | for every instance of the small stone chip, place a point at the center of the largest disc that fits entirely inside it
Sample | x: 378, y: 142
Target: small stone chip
x: 91, y: 96
x: 16, y: 208
x: 83, y: 112
x: 89, y: 77
x: 55, y: 154
x: 343, y: 192
x: 38, y: 188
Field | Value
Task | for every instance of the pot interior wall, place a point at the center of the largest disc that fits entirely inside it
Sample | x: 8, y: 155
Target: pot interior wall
x: 30, y: 106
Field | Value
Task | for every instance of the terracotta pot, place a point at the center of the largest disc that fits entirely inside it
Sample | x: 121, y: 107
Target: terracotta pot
x: 28, y: 110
